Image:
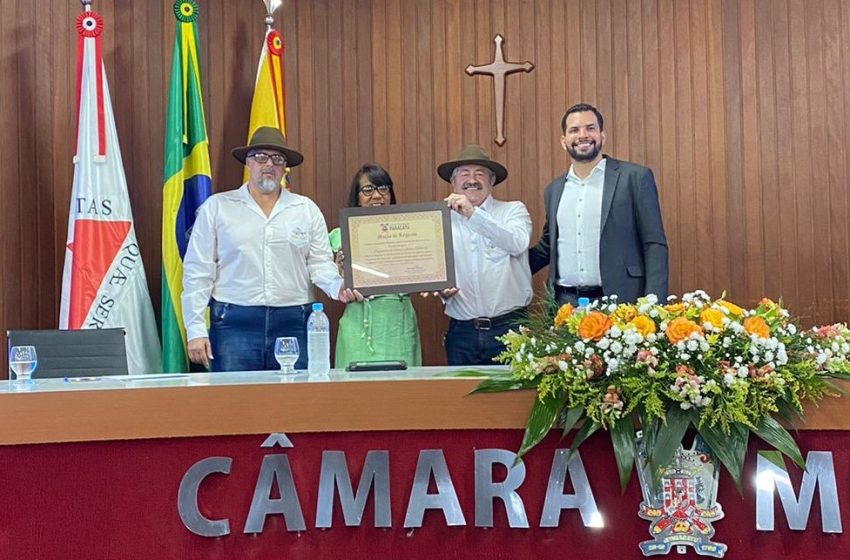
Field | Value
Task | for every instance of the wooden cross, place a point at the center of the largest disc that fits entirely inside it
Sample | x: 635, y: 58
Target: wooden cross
x: 499, y: 69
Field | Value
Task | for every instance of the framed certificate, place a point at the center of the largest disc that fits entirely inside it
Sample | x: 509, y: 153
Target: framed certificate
x: 398, y: 249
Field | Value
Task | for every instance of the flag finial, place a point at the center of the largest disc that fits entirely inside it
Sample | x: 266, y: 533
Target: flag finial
x: 271, y: 7
x: 86, y: 5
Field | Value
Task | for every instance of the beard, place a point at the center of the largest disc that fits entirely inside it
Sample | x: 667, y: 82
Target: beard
x: 580, y: 157
x: 267, y: 186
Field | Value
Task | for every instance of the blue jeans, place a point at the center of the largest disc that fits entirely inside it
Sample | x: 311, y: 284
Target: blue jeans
x: 242, y: 337
x: 469, y: 346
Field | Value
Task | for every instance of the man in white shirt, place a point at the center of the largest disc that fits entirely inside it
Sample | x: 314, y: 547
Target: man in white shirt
x: 253, y: 257
x: 603, y: 234
x: 490, y: 240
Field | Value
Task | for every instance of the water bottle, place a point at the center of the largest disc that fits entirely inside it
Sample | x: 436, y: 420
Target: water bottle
x: 318, y: 342
x: 583, y: 303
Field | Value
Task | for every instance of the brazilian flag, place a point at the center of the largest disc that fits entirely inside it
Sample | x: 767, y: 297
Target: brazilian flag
x: 186, y: 177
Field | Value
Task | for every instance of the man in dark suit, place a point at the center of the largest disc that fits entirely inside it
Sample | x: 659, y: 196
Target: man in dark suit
x: 603, y: 232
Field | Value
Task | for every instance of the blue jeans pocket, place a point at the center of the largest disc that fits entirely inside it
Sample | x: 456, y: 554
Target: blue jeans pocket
x: 218, y: 311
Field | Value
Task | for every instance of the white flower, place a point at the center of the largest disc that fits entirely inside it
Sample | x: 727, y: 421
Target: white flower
x: 615, y: 332
x: 580, y: 346
x: 692, y: 345
x: 613, y: 364
x: 616, y: 347
x: 562, y: 365
x: 651, y: 338
x: 604, y: 344
x: 768, y: 356
x: 743, y: 371
x: 728, y: 379
x: 651, y: 299
x: 685, y: 357
x: 792, y: 329
x: 533, y: 341
x: 685, y: 405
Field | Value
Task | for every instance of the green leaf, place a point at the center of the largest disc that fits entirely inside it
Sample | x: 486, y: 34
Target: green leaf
x: 729, y: 448
x: 623, y: 440
x: 772, y: 433
x: 488, y: 373
x: 649, y: 431
x: 543, y: 415
x: 774, y: 457
x: 668, y: 437
x: 571, y: 418
x: 502, y: 384
x: 587, y: 429
x: 788, y: 412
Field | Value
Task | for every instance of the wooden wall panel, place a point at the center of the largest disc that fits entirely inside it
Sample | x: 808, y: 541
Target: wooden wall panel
x: 740, y: 107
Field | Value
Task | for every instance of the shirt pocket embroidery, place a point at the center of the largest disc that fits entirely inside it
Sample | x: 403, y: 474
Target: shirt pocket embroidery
x: 297, y: 235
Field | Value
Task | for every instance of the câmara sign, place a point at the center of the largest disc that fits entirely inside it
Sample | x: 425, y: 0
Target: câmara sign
x: 276, y: 479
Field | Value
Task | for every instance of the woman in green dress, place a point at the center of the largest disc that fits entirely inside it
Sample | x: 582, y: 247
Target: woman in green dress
x: 380, y: 327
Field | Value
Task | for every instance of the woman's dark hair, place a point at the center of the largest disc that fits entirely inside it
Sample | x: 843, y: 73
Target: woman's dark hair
x: 376, y: 175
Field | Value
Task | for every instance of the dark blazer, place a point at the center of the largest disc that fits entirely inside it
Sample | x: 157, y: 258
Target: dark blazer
x: 632, y: 247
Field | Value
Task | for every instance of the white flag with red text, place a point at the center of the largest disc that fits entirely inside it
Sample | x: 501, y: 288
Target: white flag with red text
x: 103, y: 285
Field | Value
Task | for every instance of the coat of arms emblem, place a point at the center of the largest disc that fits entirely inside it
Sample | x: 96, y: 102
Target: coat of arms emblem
x: 682, y: 504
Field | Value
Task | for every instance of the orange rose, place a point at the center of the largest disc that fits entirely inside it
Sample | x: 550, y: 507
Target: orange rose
x: 680, y: 329
x: 643, y: 324
x: 594, y: 325
x: 730, y: 307
x: 757, y: 326
x: 563, y: 314
x: 712, y: 316
x: 675, y: 308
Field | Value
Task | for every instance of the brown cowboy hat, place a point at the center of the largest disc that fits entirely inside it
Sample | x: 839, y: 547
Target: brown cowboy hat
x: 268, y: 138
x: 472, y: 154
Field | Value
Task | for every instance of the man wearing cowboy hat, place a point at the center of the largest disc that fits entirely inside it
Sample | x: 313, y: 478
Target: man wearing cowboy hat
x: 491, y: 240
x: 253, y: 257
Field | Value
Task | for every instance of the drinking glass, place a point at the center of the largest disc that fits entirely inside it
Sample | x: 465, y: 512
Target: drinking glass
x: 286, y: 353
x: 22, y: 361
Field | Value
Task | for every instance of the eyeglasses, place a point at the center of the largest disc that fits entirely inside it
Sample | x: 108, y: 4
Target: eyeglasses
x: 369, y: 189
x: 261, y: 158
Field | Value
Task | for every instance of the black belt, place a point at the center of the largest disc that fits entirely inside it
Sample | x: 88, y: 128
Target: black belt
x: 487, y: 323
x: 581, y: 291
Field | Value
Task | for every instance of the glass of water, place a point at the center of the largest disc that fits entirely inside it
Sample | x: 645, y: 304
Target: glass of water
x: 286, y: 353
x: 22, y: 361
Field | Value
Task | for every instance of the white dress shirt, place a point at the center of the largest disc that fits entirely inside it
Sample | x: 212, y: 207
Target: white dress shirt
x: 491, y: 260
x: 238, y: 255
x: 579, y: 228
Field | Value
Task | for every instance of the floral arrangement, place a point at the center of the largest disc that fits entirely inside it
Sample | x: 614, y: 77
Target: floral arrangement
x: 725, y: 370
